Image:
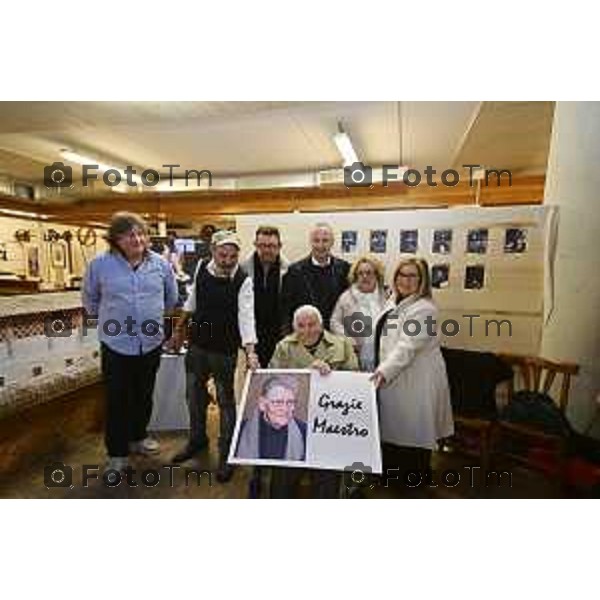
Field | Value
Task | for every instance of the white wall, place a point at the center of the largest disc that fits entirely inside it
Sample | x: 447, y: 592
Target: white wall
x: 573, y: 183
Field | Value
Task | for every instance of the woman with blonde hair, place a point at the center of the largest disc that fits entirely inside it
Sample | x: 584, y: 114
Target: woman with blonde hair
x: 414, y: 397
x: 357, y: 308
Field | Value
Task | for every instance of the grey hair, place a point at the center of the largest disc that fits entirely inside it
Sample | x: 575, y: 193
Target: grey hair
x: 307, y: 309
x: 322, y: 225
x: 286, y: 381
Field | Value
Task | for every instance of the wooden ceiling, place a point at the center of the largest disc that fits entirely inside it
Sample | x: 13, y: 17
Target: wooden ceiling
x: 248, y: 138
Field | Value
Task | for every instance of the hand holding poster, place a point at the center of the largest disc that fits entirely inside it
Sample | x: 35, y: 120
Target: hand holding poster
x: 299, y: 418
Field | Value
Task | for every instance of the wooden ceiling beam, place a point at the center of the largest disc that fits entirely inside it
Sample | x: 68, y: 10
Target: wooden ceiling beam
x: 200, y: 205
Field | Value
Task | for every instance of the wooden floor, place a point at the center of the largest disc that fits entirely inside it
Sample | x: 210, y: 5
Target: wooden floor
x: 65, y: 440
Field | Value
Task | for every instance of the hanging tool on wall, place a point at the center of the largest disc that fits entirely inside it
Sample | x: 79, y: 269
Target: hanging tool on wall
x: 23, y: 236
x: 86, y: 236
x: 51, y: 237
x: 68, y: 237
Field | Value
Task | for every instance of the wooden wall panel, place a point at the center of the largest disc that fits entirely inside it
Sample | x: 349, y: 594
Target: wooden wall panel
x: 201, y: 206
x: 525, y: 190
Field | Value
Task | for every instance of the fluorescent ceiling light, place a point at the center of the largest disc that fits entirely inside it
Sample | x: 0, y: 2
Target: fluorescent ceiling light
x: 344, y: 145
x: 80, y: 159
x: 22, y: 213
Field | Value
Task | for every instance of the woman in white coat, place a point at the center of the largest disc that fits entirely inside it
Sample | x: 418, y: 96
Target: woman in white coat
x: 357, y: 308
x: 414, y: 397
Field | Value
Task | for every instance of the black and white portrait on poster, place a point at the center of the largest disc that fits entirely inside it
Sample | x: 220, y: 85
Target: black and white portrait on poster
x: 515, y: 240
x: 477, y: 241
x: 474, y: 277
x: 379, y: 241
x: 298, y: 418
x: 273, y: 422
x: 439, y: 276
x: 409, y: 241
x: 349, y: 241
x: 442, y: 241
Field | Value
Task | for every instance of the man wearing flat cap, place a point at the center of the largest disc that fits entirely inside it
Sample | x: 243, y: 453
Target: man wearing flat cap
x: 219, y: 318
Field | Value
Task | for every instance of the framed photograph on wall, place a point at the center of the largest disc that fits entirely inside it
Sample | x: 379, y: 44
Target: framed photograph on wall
x: 349, y: 241
x: 409, y: 241
x: 442, y: 241
x: 474, y: 277
x: 515, y: 240
x: 440, y: 275
x: 477, y: 241
x: 378, y: 241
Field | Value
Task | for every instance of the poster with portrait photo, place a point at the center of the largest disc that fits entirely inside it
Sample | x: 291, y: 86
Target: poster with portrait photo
x: 378, y: 239
x: 477, y: 241
x: 442, y: 241
x: 299, y: 418
x: 515, y: 240
x: 409, y: 241
x: 349, y: 241
x: 474, y: 277
x: 440, y: 275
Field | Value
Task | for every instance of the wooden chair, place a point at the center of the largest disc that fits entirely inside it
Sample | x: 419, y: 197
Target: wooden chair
x: 534, y: 374
x: 467, y: 428
x: 473, y: 400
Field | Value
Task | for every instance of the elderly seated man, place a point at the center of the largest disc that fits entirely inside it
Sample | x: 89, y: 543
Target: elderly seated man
x: 309, y: 346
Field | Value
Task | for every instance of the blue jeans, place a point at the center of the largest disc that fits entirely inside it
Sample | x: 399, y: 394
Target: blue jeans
x: 200, y: 365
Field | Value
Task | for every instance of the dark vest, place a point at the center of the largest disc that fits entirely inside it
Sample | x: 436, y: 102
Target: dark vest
x: 215, y: 321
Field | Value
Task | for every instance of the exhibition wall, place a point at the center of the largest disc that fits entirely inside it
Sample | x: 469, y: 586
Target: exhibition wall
x: 488, y: 262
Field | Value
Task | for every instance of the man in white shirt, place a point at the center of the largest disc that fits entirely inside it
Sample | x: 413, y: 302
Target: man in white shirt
x: 221, y: 307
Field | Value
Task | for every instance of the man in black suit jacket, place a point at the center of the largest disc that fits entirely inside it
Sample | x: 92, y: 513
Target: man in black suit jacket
x: 319, y: 279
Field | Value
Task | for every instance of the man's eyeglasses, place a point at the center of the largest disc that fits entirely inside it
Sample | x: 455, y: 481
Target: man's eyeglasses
x: 282, y: 403
x: 408, y: 275
x: 264, y: 246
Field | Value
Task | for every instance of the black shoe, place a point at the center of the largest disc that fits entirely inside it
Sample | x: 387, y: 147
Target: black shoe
x: 187, y: 453
x: 355, y: 493
x: 224, y: 473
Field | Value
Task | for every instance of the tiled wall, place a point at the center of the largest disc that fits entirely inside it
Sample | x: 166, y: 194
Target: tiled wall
x: 35, y: 367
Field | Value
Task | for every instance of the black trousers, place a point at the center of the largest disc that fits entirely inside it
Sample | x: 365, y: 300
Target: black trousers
x: 200, y: 365
x: 284, y: 482
x: 266, y: 346
x: 129, y: 383
x: 404, y: 466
